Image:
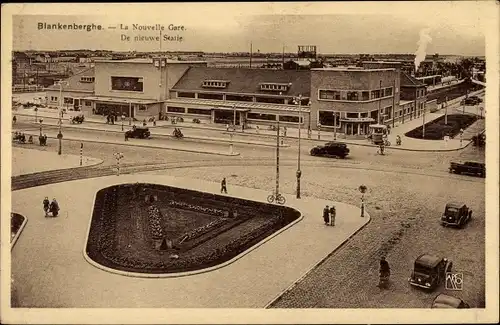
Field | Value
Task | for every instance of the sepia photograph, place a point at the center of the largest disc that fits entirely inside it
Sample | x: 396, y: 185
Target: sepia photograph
x: 244, y: 163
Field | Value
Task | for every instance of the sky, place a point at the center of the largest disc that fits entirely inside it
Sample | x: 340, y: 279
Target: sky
x: 350, y: 28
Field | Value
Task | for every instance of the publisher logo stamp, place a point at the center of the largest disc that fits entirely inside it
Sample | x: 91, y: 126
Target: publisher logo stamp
x: 454, y: 281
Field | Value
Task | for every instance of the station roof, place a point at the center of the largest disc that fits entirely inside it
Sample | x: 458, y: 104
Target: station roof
x: 246, y: 80
x: 409, y: 81
x: 74, y: 83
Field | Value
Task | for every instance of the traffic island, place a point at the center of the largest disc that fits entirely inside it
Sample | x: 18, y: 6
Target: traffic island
x: 17, y: 224
x: 151, y: 230
x: 438, y: 129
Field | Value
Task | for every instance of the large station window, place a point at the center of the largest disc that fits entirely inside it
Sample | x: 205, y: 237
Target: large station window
x: 199, y: 111
x: 270, y: 100
x: 239, y: 98
x: 329, y: 94
x: 257, y: 116
x: 185, y: 94
x: 327, y: 118
x: 211, y: 96
x: 127, y: 83
x: 352, y: 95
x: 68, y: 100
x: 174, y: 109
x: 290, y: 118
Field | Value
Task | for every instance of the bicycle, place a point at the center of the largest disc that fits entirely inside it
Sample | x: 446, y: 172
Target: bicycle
x: 280, y: 199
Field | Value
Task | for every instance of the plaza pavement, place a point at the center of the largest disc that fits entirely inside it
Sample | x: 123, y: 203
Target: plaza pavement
x: 409, y: 144
x: 27, y: 161
x: 49, y: 268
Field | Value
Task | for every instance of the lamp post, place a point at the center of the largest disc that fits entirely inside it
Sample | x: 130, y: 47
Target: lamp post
x: 299, y: 172
x: 130, y: 113
x: 335, y: 126
x: 379, y: 101
x: 60, y: 135
x: 423, y: 123
x: 41, y: 120
x: 234, y: 117
x: 36, y: 114
x: 118, y: 157
x: 362, y: 189
x: 278, y: 158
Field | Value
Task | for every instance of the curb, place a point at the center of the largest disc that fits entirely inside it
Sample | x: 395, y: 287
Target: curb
x: 180, y: 274
x: 170, y: 136
x: 318, y: 264
x: 16, y: 237
x: 149, y: 146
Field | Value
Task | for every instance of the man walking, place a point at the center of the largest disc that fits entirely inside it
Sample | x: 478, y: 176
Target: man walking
x: 385, y: 272
x: 46, y: 204
x: 326, y: 212
x: 333, y: 214
x: 223, y: 188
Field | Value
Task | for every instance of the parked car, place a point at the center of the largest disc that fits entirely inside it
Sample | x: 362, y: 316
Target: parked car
x: 456, y: 214
x: 331, y: 149
x: 77, y: 119
x: 476, y: 98
x: 471, y: 101
x: 138, y: 132
x: 429, y: 271
x: 445, y: 301
x: 468, y: 167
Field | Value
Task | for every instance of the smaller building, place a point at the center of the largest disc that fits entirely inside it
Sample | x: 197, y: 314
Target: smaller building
x: 70, y: 95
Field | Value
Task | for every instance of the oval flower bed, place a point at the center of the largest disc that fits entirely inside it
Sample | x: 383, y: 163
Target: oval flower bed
x: 123, y: 226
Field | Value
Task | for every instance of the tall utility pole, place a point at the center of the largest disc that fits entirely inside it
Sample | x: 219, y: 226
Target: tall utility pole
x: 59, y: 135
x: 446, y: 111
x: 251, y: 53
x: 278, y: 158
x: 299, y: 172
x: 335, y: 126
x: 423, y: 124
x: 379, y: 101
x: 234, y: 116
x: 393, y: 103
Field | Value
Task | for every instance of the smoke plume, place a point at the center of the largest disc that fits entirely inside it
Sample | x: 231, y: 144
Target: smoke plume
x: 424, y: 40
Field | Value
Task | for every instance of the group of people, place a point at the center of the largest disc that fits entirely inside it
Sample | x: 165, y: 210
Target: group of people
x: 178, y: 133
x: 329, y: 214
x: 52, y: 207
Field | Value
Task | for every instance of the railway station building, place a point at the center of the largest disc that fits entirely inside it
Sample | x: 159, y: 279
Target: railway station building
x: 346, y: 99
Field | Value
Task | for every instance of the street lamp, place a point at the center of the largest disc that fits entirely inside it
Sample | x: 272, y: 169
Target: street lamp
x: 423, y: 123
x: 299, y: 172
x: 362, y: 189
x: 41, y: 120
x: 59, y: 135
x: 36, y: 114
x: 118, y: 157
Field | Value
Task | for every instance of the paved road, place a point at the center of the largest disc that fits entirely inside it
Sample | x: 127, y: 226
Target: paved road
x: 407, y: 193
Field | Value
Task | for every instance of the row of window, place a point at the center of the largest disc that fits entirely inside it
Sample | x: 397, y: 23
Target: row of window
x: 87, y: 79
x: 352, y: 95
x: 252, y: 116
x: 215, y: 83
x: 274, y: 87
x: 241, y: 98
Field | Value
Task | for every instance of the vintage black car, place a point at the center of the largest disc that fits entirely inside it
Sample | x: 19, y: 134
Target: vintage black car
x: 429, y: 271
x: 471, y: 101
x: 456, y: 214
x: 77, y: 119
x: 469, y: 168
x: 138, y: 132
x: 445, y: 301
x: 331, y: 149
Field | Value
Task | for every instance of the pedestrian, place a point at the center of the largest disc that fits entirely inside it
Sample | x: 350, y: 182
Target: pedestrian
x: 108, y: 119
x: 46, y: 204
x: 223, y: 187
x: 144, y: 123
x: 154, y: 121
x: 227, y: 127
x: 326, y: 215
x: 54, y: 207
x: 257, y: 129
x: 14, y: 119
x: 385, y: 272
x: 333, y: 214
x: 126, y: 136
x: 284, y: 131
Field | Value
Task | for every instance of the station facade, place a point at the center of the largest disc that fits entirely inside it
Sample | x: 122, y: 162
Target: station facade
x: 347, y: 99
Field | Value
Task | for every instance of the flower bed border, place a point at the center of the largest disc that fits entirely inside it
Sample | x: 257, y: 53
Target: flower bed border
x: 104, y: 254
x: 418, y: 130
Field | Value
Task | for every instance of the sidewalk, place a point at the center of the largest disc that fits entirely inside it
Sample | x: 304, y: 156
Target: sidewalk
x: 409, y: 144
x: 27, y: 161
x: 50, y: 271
x: 138, y: 143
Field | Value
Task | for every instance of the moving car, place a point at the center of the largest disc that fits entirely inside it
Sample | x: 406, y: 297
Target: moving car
x: 78, y: 119
x: 429, y: 271
x: 456, y: 214
x: 445, y: 301
x: 138, y: 132
x: 468, y: 167
x: 331, y: 149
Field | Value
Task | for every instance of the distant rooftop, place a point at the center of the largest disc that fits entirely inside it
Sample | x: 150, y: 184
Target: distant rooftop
x: 146, y: 61
x: 360, y: 69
